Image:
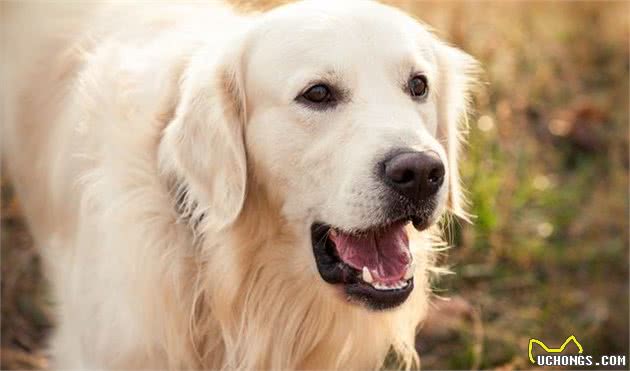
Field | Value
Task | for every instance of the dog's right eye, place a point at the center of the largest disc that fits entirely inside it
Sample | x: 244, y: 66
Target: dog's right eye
x: 318, y: 94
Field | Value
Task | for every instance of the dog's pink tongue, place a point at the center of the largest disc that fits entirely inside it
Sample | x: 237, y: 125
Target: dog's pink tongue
x: 385, y: 253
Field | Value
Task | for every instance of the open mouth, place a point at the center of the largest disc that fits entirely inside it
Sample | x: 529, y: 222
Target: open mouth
x: 375, y: 266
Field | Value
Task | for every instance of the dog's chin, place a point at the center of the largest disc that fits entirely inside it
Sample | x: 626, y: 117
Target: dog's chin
x: 374, y: 266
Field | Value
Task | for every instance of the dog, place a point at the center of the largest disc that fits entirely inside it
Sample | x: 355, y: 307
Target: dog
x: 217, y: 190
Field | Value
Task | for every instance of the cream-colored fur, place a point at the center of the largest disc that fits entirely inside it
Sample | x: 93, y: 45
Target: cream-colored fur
x: 170, y: 179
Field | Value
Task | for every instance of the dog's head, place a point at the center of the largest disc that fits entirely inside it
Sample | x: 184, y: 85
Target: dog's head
x: 347, y: 113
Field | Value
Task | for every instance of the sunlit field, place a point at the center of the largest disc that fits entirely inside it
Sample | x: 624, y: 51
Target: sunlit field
x: 546, y: 169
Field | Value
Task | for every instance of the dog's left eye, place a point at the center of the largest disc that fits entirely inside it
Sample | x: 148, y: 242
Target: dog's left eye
x: 319, y: 95
x: 418, y: 86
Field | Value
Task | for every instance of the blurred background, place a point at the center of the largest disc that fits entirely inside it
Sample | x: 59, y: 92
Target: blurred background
x: 546, y: 168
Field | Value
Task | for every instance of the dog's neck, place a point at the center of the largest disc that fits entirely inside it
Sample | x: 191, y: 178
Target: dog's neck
x: 240, y: 319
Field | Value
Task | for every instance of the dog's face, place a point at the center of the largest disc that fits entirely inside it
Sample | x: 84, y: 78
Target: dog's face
x: 347, y: 113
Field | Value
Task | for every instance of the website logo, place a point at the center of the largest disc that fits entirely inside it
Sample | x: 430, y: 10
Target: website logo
x: 552, y: 358
x: 553, y: 350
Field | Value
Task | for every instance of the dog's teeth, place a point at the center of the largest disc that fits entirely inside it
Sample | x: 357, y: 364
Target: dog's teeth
x: 333, y: 233
x: 367, y: 276
x: 410, y: 271
x: 390, y: 286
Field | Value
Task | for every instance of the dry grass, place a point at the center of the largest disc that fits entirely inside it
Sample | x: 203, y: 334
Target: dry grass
x: 547, y: 170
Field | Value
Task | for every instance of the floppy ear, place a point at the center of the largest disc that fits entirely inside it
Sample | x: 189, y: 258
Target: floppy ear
x: 203, y: 147
x: 457, y: 71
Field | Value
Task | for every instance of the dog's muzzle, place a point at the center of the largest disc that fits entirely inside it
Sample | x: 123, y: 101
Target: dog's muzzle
x: 374, y: 265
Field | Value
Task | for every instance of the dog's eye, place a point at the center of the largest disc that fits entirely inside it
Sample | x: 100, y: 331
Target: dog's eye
x: 418, y: 86
x: 319, y: 93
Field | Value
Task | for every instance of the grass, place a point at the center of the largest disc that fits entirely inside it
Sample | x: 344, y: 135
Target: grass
x: 546, y: 168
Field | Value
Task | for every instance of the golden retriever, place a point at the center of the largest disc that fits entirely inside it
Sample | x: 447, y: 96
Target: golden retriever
x: 217, y: 190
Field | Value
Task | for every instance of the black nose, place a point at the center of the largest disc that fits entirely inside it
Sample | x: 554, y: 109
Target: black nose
x: 416, y: 175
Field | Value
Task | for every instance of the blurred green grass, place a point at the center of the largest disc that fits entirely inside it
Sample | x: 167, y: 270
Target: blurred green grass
x: 546, y: 168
